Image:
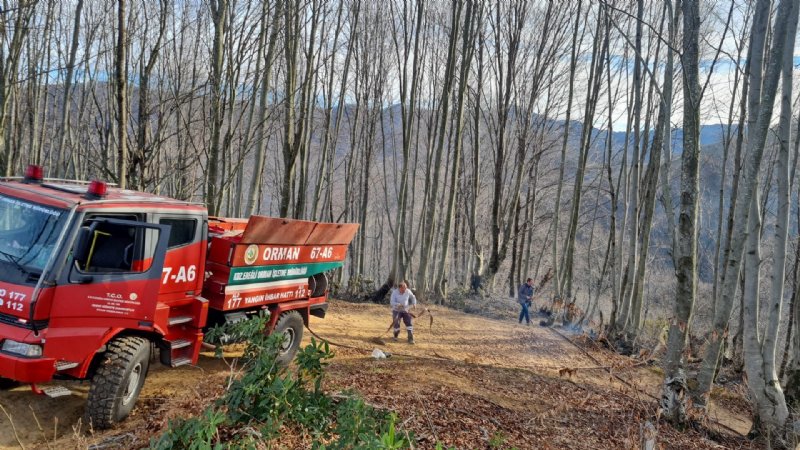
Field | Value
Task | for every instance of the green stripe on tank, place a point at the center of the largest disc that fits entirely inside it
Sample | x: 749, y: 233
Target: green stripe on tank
x: 260, y: 274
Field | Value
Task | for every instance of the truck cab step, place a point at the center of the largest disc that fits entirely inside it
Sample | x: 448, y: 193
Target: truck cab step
x: 177, y: 320
x: 179, y: 343
x: 65, y: 365
x: 177, y: 362
x: 56, y: 391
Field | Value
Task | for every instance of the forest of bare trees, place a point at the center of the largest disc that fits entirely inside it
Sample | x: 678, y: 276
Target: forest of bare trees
x: 643, y: 152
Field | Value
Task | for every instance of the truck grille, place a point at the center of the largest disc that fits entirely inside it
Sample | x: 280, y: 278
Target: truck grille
x: 11, y: 320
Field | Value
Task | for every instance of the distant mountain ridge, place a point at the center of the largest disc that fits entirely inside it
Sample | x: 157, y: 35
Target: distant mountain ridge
x: 710, y: 135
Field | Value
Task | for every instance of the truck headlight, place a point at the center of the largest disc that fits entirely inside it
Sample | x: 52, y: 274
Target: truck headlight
x: 22, y: 349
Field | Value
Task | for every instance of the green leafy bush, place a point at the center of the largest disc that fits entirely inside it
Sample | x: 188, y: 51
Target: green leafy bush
x: 267, y: 399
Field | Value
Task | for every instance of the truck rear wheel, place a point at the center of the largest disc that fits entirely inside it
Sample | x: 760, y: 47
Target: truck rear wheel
x: 118, y: 381
x: 290, y: 324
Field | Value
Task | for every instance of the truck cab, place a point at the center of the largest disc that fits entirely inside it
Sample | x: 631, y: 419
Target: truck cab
x: 93, y: 278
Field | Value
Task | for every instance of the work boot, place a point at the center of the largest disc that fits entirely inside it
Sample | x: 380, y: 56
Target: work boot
x: 396, y: 333
x: 411, y: 338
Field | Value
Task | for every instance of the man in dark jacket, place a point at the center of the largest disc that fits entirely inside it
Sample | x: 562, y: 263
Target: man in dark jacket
x: 525, y: 294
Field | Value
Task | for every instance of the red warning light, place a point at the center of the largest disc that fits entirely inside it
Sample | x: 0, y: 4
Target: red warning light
x: 97, y: 189
x: 34, y: 174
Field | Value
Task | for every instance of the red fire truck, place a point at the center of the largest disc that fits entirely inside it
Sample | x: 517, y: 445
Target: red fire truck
x: 94, y: 279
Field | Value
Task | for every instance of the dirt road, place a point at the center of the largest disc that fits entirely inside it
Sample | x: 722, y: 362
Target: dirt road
x: 469, y: 382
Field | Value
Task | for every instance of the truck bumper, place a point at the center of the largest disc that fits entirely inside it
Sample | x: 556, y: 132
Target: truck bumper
x: 26, y: 370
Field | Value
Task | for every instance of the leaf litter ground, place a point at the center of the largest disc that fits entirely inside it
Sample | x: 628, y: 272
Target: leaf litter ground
x: 470, y: 382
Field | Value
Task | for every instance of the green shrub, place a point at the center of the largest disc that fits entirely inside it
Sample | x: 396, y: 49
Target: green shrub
x: 267, y: 396
x: 197, y: 433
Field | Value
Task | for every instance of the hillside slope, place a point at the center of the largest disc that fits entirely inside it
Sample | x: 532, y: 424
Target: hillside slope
x: 470, y: 382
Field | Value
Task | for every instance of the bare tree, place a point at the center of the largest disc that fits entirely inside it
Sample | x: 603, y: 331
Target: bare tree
x: 219, y: 14
x: 10, y: 56
x: 675, y: 396
x: 443, y: 120
x: 760, y: 352
x: 600, y: 48
x: 407, y: 50
x: 145, y: 146
x: 472, y: 19
x: 762, y: 94
x: 121, y: 78
x: 573, y: 62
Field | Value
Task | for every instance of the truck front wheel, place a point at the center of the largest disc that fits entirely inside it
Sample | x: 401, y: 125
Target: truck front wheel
x: 290, y: 324
x: 118, y: 381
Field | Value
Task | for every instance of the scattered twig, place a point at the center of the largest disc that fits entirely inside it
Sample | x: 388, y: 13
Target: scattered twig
x: 39, y: 426
x: 13, y: 428
x: 335, y: 344
x: 631, y: 385
x: 125, y: 439
x: 410, y: 441
x: 427, y: 417
x: 434, y: 357
x: 480, y: 416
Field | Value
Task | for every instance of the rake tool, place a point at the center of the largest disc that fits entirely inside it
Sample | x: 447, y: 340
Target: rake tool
x: 379, y: 340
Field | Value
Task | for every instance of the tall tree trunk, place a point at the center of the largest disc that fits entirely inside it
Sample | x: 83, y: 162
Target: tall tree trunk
x: 121, y: 72
x: 760, y: 115
x: 674, y: 392
x: 408, y: 97
x: 613, y: 197
x: 635, y: 177
x: 565, y: 139
x: 507, y: 63
x: 254, y: 197
x: 471, y: 18
x: 219, y: 14
x: 783, y: 200
x: 329, y: 138
x: 477, y: 251
x: 139, y: 170
x: 306, y: 112
x: 760, y: 354
x: 9, y: 63
x: 66, y: 106
x: 770, y: 403
x: 426, y: 257
x: 291, y: 46
x: 793, y: 367
x: 650, y: 181
x: 727, y: 139
x: 599, y: 51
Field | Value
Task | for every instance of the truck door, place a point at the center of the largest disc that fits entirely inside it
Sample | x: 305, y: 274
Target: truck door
x: 113, y: 276
x: 182, y: 274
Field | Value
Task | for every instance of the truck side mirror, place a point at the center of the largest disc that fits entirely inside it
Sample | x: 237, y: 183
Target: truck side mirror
x: 83, y: 245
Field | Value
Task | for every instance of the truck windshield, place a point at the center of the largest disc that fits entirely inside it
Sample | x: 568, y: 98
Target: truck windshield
x: 28, y: 235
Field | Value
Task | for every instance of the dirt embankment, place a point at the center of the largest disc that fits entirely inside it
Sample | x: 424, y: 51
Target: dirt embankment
x: 469, y: 382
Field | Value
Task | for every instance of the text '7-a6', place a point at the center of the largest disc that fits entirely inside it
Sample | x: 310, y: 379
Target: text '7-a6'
x: 180, y: 274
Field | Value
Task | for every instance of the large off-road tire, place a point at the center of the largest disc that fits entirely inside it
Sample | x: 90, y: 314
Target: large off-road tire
x: 118, y: 380
x: 290, y: 324
x: 6, y: 384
